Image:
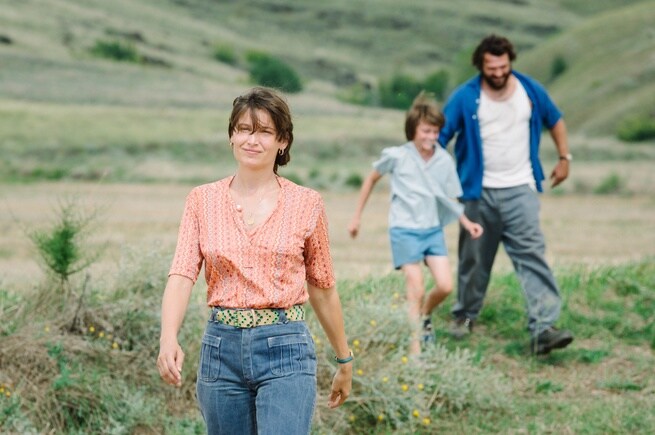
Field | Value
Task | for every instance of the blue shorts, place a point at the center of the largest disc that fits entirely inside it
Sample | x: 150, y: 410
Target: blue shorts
x: 412, y: 245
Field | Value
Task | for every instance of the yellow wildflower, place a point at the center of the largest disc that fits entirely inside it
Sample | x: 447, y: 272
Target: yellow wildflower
x: 420, y: 387
x: 385, y: 379
x: 426, y: 421
x: 381, y: 417
x: 114, y: 345
x: 101, y: 334
x: 360, y: 372
x: 404, y: 359
x: 92, y: 328
x: 416, y: 413
x: 356, y: 342
x: 404, y: 387
x: 373, y: 323
x: 352, y: 418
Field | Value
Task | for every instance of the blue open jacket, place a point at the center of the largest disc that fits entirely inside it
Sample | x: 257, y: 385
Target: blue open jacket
x: 461, y: 113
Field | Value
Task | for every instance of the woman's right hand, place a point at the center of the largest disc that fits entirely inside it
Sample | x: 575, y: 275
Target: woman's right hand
x: 170, y: 361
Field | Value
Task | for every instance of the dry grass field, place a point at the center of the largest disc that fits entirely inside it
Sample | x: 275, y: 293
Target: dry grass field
x: 580, y: 229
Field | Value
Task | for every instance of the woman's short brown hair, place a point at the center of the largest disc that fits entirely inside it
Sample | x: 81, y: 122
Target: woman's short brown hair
x: 269, y: 100
x: 424, y: 108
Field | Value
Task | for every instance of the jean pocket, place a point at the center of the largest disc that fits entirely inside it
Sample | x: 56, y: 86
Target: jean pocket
x: 210, y: 361
x: 291, y: 353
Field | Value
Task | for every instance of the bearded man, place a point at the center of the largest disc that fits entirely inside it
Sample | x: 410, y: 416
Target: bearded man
x: 497, y: 117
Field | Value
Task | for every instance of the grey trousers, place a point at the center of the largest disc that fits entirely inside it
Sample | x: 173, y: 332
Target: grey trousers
x: 510, y: 216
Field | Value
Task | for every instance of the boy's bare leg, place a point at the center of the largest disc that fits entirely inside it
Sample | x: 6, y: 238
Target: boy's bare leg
x: 440, y: 270
x: 415, y: 293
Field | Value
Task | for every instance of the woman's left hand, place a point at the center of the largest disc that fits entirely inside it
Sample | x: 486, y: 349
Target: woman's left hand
x: 342, y: 383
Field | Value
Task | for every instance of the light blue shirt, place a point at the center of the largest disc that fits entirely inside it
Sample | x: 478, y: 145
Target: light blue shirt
x: 422, y: 192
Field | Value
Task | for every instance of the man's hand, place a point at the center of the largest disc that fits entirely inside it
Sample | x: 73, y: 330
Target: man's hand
x: 560, y: 172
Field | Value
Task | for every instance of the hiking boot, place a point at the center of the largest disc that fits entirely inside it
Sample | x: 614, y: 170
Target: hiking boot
x: 461, y: 327
x: 551, y: 338
x: 428, y: 333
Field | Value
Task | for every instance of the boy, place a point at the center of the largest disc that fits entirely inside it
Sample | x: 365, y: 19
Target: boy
x: 424, y: 183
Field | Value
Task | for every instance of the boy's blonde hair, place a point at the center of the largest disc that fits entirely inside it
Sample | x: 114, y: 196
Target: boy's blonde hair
x: 424, y: 108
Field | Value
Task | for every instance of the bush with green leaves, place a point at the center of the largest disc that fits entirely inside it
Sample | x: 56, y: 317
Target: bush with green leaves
x: 612, y: 183
x: 267, y: 70
x: 116, y: 50
x: 61, y: 248
x: 225, y: 53
x: 558, y: 67
x: 437, y: 84
x: 637, y: 128
x: 399, y: 91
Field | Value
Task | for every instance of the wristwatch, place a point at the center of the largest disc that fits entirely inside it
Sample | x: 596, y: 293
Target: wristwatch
x: 568, y: 157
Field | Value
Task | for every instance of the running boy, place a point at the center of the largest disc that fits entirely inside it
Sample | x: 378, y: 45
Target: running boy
x: 424, y: 183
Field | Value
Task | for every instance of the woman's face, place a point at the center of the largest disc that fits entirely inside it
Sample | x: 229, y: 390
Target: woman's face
x: 256, y: 146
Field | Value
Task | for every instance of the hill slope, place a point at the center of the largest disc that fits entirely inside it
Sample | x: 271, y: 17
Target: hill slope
x: 610, y: 68
x: 66, y: 113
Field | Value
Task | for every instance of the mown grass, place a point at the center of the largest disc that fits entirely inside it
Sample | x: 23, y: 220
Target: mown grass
x: 101, y: 376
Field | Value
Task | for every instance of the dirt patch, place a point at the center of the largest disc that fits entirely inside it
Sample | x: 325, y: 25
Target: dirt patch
x: 579, y: 229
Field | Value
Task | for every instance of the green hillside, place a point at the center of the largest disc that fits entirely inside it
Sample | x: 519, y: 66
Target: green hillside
x: 65, y: 113
x: 610, y: 68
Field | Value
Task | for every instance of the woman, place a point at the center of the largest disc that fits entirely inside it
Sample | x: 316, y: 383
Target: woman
x: 261, y: 237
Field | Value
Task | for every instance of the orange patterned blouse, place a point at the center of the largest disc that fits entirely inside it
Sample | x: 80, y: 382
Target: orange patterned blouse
x: 263, y: 268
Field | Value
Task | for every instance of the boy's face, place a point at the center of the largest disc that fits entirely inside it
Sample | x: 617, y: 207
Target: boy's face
x: 426, y: 136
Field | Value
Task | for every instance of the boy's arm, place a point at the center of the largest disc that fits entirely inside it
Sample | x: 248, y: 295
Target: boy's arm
x: 473, y: 228
x: 364, y: 193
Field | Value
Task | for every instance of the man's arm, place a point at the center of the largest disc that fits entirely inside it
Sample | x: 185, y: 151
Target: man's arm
x: 560, y: 137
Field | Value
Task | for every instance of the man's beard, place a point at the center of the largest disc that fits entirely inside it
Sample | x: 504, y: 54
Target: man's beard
x: 497, y: 83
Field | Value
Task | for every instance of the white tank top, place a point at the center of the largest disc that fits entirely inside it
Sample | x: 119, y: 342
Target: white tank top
x: 505, y: 131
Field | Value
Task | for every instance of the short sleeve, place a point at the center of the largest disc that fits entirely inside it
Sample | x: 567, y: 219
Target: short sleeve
x: 188, y: 255
x: 318, y: 261
x: 387, y: 161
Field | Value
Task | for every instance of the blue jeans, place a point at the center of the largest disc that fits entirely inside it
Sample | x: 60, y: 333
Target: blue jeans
x: 257, y: 380
x: 510, y: 216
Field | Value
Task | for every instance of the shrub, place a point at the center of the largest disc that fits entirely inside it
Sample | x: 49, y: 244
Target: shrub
x: 637, y: 128
x: 267, y: 70
x: 558, y: 67
x: 116, y: 50
x: 60, y: 248
x: 354, y: 180
x: 399, y: 91
x: 613, y: 183
x: 225, y: 53
x: 437, y: 84
x: 393, y: 392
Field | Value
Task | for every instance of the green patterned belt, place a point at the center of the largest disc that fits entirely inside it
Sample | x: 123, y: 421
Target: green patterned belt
x: 250, y: 318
